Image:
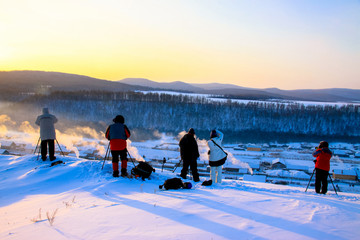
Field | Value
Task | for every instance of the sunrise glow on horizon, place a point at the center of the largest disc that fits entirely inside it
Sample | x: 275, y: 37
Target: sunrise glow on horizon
x: 260, y: 44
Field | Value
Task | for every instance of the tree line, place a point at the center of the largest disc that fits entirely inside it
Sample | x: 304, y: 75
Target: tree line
x: 175, y: 113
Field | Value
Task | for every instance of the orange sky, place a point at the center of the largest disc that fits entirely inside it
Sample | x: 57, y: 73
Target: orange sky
x: 284, y: 44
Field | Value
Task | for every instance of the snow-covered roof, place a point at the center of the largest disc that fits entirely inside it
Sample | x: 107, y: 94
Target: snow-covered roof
x: 278, y: 160
x: 3, y: 151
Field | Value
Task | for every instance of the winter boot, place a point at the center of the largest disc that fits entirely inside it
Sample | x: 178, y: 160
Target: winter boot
x: 115, y: 166
x: 196, y: 179
x: 116, y: 173
x: 124, y: 172
x: 183, y: 174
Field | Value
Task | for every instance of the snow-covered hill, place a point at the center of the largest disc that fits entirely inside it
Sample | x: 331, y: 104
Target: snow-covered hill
x: 84, y: 202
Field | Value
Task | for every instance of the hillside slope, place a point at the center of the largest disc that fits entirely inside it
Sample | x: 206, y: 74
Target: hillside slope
x: 87, y: 203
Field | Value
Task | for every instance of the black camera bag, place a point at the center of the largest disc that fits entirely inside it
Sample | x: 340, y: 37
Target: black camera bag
x: 143, y: 170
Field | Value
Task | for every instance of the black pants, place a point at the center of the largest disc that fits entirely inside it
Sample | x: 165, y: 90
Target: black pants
x: 115, y: 155
x: 321, y: 180
x: 115, y: 160
x: 193, y: 168
x: 44, y: 144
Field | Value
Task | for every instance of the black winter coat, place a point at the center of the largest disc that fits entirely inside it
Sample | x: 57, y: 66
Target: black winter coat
x: 188, y: 148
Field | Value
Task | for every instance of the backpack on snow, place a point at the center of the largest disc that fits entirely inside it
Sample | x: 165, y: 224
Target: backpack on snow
x: 175, y: 183
x: 207, y: 183
x: 143, y: 170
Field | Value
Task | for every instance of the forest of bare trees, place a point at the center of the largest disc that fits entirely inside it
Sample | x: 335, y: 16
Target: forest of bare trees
x: 174, y: 113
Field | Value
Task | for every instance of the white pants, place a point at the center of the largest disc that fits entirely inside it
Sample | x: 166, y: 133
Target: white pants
x: 216, y: 174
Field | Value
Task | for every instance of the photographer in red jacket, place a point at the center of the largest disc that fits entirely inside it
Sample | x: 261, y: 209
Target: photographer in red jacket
x: 322, y: 166
x: 117, y: 133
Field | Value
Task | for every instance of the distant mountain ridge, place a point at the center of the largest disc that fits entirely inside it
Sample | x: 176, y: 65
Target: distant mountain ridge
x: 32, y: 81
x: 326, y: 95
x: 173, y: 86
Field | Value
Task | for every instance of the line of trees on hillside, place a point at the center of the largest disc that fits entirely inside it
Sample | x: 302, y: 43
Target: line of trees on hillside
x: 174, y: 113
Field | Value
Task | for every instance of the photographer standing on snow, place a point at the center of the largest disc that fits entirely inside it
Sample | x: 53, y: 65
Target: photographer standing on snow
x: 117, y: 133
x: 322, y: 166
x: 189, y: 153
x: 217, y: 156
x: 46, y: 122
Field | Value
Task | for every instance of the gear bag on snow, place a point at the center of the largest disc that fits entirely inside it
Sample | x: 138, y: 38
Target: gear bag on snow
x: 175, y: 183
x: 207, y: 183
x: 143, y: 170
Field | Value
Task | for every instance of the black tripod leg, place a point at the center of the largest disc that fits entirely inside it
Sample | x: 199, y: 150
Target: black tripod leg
x: 332, y: 184
x: 162, y: 167
x: 131, y: 158
x: 39, y: 151
x: 177, y: 165
x: 107, y: 150
x: 310, y: 180
x: 37, y: 145
x: 59, y: 147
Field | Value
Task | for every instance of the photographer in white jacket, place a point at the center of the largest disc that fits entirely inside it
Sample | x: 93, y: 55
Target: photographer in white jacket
x: 46, y: 122
x: 217, y: 156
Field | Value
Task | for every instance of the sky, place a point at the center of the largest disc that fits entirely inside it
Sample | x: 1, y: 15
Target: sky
x: 277, y: 43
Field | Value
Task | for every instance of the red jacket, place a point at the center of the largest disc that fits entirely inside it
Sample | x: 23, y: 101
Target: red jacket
x: 323, y: 156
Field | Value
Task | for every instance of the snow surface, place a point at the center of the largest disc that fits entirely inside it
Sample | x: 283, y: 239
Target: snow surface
x: 91, y: 204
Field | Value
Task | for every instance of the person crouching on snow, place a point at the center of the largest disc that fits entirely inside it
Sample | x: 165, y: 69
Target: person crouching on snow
x: 117, y: 133
x: 217, y: 156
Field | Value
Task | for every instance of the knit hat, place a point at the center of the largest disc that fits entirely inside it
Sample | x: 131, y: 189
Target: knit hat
x: 323, y: 144
x: 213, y: 134
x: 187, y: 185
x: 191, y: 131
x: 45, y: 110
x: 119, y: 119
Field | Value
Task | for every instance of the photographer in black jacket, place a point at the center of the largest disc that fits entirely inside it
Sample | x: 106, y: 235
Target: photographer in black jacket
x: 189, y: 154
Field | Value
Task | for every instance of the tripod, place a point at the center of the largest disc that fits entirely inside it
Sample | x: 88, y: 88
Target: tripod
x: 130, y: 157
x: 162, y: 167
x: 328, y: 176
x: 107, y: 155
x: 177, y: 165
x: 38, y: 147
x: 60, y: 147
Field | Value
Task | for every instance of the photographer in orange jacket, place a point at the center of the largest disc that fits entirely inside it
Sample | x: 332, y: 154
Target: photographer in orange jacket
x: 322, y: 166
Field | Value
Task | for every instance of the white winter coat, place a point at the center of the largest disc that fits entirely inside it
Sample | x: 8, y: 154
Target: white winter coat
x: 46, y: 122
x: 216, y: 153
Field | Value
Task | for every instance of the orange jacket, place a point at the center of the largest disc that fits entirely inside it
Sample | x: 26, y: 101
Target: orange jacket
x: 323, y: 156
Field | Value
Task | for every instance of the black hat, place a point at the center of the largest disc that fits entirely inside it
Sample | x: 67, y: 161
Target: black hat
x: 119, y: 119
x: 323, y: 144
x: 191, y: 131
x: 213, y: 134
